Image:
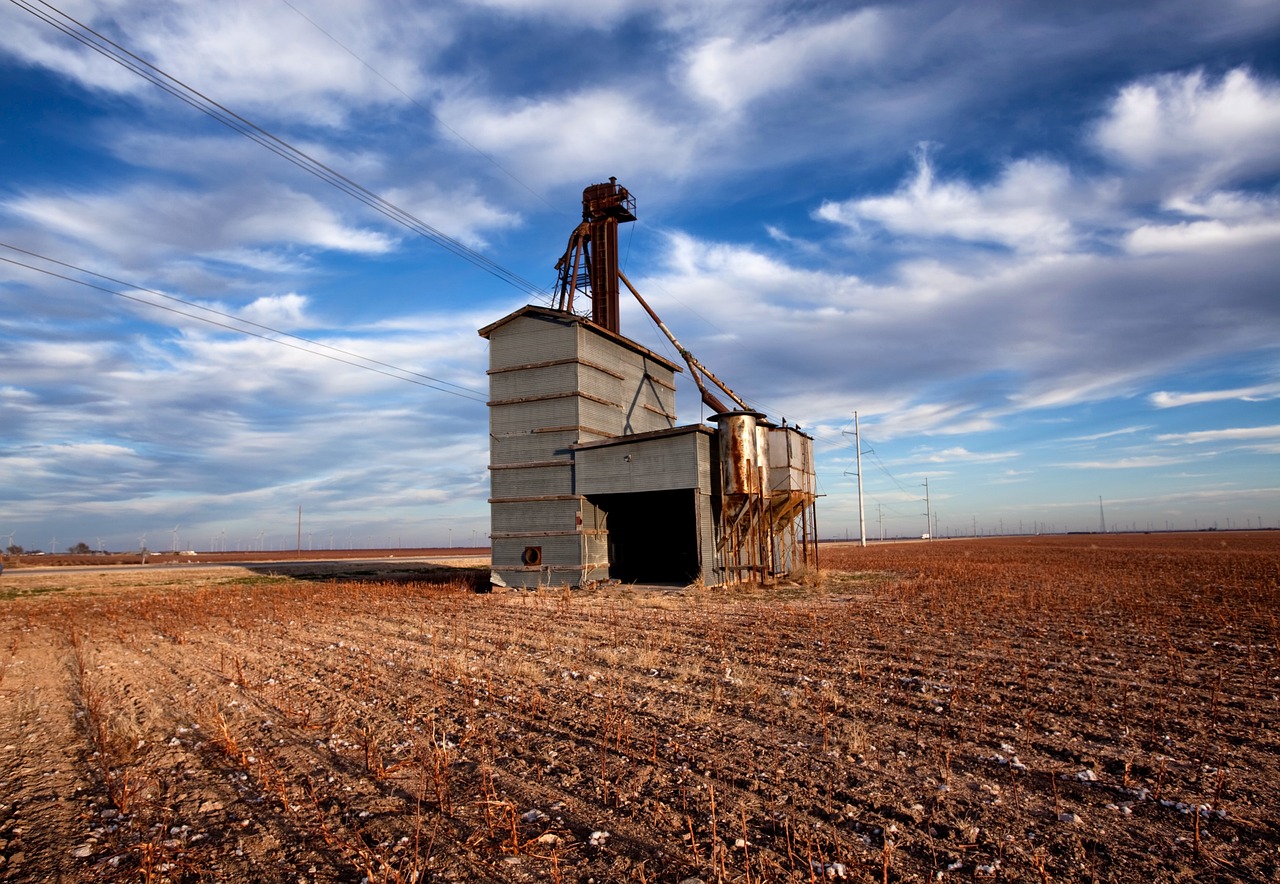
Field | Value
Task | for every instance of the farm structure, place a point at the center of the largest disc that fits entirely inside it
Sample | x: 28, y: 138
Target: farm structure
x: 591, y: 477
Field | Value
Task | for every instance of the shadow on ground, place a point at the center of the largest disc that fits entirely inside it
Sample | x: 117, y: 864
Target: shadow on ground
x: 474, y: 578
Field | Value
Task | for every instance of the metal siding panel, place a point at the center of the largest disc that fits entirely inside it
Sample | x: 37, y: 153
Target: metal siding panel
x: 599, y: 384
x: 790, y: 461
x: 597, y: 553
x: 593, y: 518
x: 605, y: 417
x: 531, y: 482
x: 641, y: 418
x: 506, y: 419
x: 533, y: 382
x: 602, y: 350
x: 513, y: 448
x: 708, y: 535
x: 634, y: 390
x: 562, y: 561
x: 529, y: 339
x: 541, y: 515
x: 663, y: 464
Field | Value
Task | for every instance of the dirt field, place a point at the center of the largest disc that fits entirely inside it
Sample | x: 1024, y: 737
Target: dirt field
x: 1032, y: 709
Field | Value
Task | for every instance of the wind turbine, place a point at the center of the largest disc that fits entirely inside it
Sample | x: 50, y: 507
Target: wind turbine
x: 175, y: 538
x: 10, y: 543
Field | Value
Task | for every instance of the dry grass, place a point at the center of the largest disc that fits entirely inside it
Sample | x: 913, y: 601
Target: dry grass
x: 1056, y: 709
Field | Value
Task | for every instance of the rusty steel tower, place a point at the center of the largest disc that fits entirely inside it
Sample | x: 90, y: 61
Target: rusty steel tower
x: 590, y: 263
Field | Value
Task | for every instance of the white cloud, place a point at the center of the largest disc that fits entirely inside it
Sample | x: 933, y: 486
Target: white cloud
x: 1216, y: 220
x: 951, y: 418
x: 593, y: 13
x: 56, y: 358
x: 1233, y: 434
x: 732, y: 72
x: 461, y: 213
x: 1225, y: 205
x: 1123, y: 431
x: 1199, y: 133
x: 277, y: 311
x: 1023, y: 209
x: 1005, y: 335
x: 959, y: 453
x: 236, y: 51
x: 1200, y: 236
x: 458, y: 208
x: 1259, y: 393
x: 576, y: 137
x: 93, y: 450
x: 1125, y: 463
x: 154, y: 220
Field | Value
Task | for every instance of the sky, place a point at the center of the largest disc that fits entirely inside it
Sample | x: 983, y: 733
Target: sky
x: 1033, y: 245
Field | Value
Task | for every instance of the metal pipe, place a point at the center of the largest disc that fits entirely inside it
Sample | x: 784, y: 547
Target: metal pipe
x: 694, y: 365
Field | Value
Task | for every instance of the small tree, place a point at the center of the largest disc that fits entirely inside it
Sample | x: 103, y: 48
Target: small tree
x: 80, y: 549
x: 15, y: 550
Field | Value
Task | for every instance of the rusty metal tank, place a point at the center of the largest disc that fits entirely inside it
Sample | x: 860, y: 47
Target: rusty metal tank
x: 739, y: 452
x: 764, y: 427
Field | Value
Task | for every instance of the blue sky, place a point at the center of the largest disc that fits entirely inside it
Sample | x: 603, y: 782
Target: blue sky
x: 1034, y: 245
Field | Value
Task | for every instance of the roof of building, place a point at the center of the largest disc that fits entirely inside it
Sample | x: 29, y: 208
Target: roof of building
x: 644, y: 437
x: 567, y: 318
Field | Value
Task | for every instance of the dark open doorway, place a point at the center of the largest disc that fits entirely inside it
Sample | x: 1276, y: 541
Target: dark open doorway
x: 653, y: 536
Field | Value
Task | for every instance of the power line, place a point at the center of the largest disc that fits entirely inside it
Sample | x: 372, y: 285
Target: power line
x: 113, y: 51
x: 230, y: 316
x: 90, y: 38
x: 366, y: 363
x: 880, y: 464
x: 885, y: 470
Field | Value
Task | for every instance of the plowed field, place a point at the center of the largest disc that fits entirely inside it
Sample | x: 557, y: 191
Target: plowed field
x: 1024, y: 709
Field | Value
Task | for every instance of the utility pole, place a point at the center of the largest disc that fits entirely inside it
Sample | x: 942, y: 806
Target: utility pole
x: 928, y: 515
x: 299, y: 530
x: 880, y: 515
x: 862, y: 515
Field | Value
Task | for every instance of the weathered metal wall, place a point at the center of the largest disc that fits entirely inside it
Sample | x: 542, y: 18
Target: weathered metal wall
x: 672, y: 460
x: 555, y: 380
x: 662, y: 463
x: 708, y: 504
x: 766, y: 517
x: 528, y: 447
x: 527, y: 482
x: 538, y: 339
x: 644, y: 391
x: 738, y: 461
x: 791, y: 466
x: 515, y: 383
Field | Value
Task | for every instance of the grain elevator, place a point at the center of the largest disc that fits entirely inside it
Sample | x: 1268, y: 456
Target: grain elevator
x: 591, y: 477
